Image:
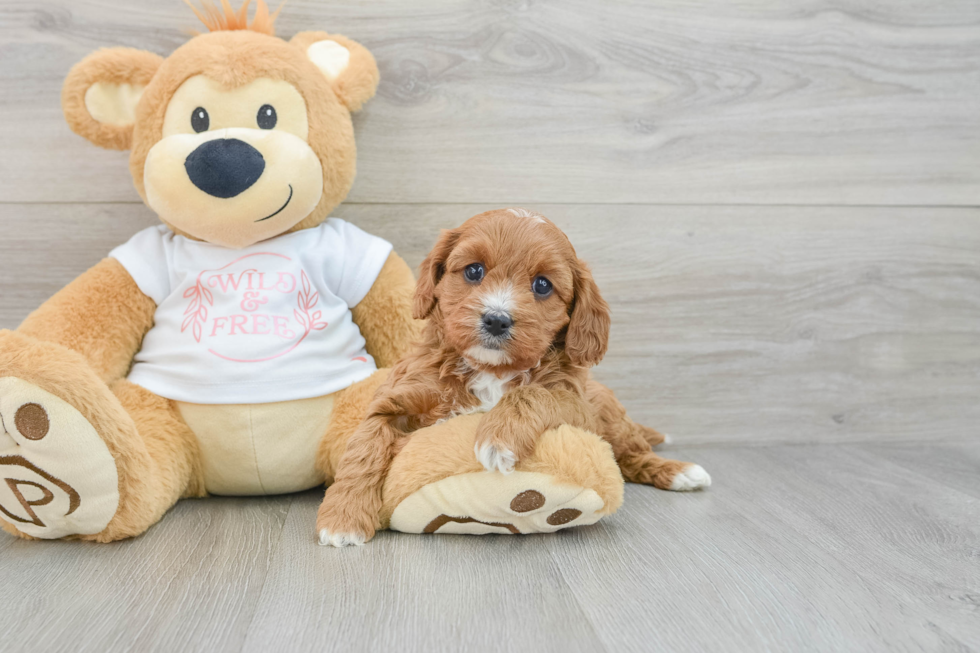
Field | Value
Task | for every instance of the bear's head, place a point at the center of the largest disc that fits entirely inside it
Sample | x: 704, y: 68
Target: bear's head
x: 236, y: 137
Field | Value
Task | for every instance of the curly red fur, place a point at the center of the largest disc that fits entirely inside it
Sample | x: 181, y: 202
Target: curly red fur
x: 543, y: 364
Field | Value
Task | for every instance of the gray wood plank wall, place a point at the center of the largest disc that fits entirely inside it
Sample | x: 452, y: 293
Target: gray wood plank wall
x: 730, y: 324
x: 674, y: 101
x: 779, y: 199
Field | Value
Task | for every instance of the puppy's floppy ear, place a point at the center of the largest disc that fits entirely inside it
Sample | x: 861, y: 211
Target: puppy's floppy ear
x: 588, y: 328
x: 348, y: 65
x: 431, y: 271
x: 101, y: 91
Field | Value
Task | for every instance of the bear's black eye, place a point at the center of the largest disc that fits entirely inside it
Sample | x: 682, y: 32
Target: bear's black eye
x: 474, y: 272
x: 541, y: 287
x: 267, y: 117
x: 200, y: 120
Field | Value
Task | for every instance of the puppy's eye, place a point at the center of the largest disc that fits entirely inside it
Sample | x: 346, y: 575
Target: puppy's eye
x: 541, y: 287
x: 474, y: 272
x: 200, y: 120
x: 267, y: 117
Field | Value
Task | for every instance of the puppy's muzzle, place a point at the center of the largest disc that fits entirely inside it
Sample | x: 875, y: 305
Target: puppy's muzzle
x: 497, y: 325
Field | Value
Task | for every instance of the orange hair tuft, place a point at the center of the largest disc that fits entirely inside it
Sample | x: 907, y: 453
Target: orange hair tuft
x: 226, y: 19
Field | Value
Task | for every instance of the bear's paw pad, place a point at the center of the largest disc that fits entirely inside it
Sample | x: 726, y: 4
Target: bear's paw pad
x: 484, y: 502
x: 57, y: 477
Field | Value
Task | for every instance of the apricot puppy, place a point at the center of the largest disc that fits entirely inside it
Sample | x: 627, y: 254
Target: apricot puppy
x: 515, y: 321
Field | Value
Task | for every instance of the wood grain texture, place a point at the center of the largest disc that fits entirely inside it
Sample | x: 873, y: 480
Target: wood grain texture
x: 730, y: 324
x: 418, y: 593
x: 802, y: 548
x: 810, y: 548
x: 677, y: 101
x: 189, y: 584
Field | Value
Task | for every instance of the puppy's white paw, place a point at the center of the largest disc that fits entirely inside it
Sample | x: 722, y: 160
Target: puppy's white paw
x: 668, y: 439
x: 495, y: 460
x: 693, y: 477
x: 340, y: 539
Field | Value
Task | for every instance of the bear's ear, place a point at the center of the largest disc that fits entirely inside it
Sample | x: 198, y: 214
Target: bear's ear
x: 101, y: 92
x: 348, y: 65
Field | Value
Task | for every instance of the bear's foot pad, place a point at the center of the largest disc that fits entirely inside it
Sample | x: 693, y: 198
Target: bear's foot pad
x: 57, y: 477
x: 488, y: 502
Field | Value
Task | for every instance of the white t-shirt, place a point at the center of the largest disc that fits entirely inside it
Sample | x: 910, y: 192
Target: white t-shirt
x: 270, y: 322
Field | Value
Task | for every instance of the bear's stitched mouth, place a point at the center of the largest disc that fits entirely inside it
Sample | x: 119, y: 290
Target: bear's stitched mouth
x: 288, y: 200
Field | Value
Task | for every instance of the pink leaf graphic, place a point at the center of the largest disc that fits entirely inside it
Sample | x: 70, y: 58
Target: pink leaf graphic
x: 196, y: 312
x: 305, y: 300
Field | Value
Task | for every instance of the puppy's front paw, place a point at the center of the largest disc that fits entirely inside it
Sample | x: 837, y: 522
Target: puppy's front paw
x: 339, y: 540
x: 341, y: 521
x: 495, y: 458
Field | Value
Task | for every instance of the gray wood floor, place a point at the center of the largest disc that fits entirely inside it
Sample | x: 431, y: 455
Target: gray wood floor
x: 870, y: 547
x: 781, y: 202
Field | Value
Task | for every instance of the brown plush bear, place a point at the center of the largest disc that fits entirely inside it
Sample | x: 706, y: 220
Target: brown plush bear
x: 234, y: 348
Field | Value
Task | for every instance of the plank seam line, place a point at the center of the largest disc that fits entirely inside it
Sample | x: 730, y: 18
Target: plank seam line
x: 679, y: 446
x: 574, y: 595
x: 265, y: 577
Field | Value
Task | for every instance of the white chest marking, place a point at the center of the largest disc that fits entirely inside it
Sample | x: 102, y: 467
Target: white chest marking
x: 488, y: 388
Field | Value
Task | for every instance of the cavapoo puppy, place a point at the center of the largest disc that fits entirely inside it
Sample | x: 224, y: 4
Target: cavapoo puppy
x: 515, y: 321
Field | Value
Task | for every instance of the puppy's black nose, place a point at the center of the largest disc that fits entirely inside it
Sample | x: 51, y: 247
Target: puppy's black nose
x: 224, y: 167
x: 497, y: 324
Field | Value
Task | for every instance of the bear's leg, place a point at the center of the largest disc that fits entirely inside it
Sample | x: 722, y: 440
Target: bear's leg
x: 171, y: 469
x: 82, y: 460
x: 436, y: 484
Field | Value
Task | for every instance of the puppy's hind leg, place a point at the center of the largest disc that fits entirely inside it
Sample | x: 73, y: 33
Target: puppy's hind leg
x: 649, y: 468
x: 631, y: 446
x: 613, y: 422
x: 650, y: 434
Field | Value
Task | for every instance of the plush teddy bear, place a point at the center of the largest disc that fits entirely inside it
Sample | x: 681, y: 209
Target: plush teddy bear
x: 234, y: 348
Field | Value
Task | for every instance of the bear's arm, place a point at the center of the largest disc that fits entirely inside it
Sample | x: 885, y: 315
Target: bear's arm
x: 102, y: 315
x: 385, y: 314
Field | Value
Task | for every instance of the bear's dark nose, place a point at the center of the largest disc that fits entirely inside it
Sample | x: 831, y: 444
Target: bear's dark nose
x: 224, y: 167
